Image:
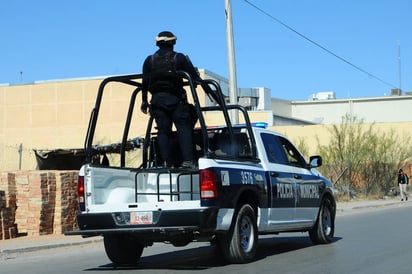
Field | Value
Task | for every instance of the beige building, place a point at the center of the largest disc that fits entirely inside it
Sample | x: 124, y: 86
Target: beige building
x: 49, y: 115
x: 43, y: 115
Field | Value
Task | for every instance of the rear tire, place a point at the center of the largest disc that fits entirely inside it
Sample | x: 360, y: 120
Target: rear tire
x: 240, y: 243
x: 324, y: 228
x: 122, y: 249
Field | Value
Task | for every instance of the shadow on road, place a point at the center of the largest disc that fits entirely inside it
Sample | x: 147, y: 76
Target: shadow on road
x: 207, y: 257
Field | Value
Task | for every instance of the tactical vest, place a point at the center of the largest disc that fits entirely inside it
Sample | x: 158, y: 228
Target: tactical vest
x: 163, y: 74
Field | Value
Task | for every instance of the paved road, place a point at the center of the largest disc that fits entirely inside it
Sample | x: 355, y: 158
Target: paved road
x: 361, y: 245
x: 30, y: 244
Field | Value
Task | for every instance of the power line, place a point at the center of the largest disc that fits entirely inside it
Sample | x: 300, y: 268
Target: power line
x: 319, y: 45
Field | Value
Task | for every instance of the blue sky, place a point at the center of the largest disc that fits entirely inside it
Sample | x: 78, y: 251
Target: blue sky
x: 45, y: 40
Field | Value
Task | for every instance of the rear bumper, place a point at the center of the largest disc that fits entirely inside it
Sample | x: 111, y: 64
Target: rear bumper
x: 164, y: 223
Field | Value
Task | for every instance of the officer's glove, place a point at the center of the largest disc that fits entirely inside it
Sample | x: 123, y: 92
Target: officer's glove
x: 144, y: 107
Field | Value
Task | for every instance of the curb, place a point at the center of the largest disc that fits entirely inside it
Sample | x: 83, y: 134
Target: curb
x: 375, y: 206
x: 32, y: 248
x: 349, y: 206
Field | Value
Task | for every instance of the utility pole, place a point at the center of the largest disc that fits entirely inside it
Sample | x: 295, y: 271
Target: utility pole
x: 399, y: 67
x: 232, y: 63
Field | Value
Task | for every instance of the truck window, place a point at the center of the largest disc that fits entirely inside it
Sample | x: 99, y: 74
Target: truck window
x: 274, y: 149
x: 294, y: 158
x: 222, y: 145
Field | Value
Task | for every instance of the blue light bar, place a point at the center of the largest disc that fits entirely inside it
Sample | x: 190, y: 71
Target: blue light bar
x: 260, y: 124
x: 256, y: 124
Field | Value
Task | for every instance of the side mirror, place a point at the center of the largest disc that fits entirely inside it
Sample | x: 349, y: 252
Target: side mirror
x: 315, y: 161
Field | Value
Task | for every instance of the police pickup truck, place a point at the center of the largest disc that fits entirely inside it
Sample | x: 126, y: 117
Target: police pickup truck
x: 249, y: 181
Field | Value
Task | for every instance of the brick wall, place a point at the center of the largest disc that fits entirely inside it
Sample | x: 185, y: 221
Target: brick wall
x: 37, y: 203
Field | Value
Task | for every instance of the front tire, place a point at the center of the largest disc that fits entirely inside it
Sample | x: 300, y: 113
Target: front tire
x: 324, y: 228
x: 240, y: 243
x: 122, y: 249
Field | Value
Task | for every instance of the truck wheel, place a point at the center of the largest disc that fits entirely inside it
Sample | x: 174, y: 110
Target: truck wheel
x: 122, y: 249
x: 324, y: 228
x: 239, y: 244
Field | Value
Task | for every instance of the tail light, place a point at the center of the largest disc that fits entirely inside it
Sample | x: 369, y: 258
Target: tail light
x: 80, y: 193
x: 208, y: 184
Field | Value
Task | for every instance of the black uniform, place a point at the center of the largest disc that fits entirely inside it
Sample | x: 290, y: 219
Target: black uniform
x: 169, y: 101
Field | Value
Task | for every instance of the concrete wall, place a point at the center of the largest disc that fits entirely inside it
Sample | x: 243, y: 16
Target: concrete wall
x: 312, y: 133
x: 42, y: 116
x: 55, y: 114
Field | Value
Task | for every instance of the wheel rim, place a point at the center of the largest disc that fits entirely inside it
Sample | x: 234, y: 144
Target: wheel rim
x: 327, y: 221
x: 246, y: 234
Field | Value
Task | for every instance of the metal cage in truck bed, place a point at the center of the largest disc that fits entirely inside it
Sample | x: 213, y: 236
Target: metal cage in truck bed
x: 206, y: 145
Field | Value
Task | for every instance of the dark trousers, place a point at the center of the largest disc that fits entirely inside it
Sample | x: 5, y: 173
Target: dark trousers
x: 165, y: 117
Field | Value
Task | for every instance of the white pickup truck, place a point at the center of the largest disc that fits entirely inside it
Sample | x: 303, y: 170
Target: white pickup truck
x: 250, y: 181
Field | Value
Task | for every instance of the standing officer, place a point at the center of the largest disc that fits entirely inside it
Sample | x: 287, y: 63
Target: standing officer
x: 169, y: 100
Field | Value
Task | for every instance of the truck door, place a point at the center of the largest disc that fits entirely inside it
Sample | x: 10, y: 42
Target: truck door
x: 308, y: 185
x: 282, y: 183
x: 309, y: 188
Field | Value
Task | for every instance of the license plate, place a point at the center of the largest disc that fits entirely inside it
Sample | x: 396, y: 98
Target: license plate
x: 141, y: 218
